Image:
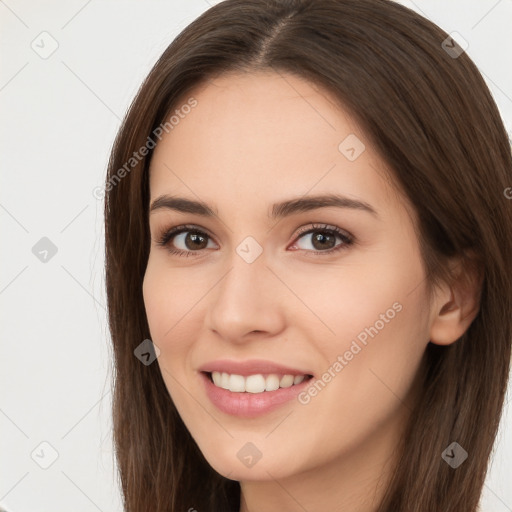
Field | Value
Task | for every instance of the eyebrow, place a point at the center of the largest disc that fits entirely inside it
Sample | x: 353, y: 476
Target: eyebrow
x: 279, y: 210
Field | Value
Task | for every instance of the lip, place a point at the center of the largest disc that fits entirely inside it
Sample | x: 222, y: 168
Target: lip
x: 250, y: 405
x: 251, y: 367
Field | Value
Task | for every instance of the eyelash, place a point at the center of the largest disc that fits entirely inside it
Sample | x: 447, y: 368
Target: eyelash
x: 169, y: 234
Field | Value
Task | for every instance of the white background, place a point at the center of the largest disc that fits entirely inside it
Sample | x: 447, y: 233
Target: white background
x: 59, y: 118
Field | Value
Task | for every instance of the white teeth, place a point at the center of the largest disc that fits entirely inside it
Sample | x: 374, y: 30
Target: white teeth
x: 272, y: 382
x: 298, y: 379
x: 236, y: 383
x: 286, y: 381
x: 217, y: 379
x: 224, y: 381
x: 254, y: 383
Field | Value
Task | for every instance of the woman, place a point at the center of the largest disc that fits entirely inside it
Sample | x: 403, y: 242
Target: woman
x: 307, y: 264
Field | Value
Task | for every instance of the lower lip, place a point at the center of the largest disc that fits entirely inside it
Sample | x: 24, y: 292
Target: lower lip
x: 250, y: 405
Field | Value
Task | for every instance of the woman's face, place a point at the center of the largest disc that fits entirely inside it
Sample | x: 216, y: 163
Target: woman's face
x: 265, y: 287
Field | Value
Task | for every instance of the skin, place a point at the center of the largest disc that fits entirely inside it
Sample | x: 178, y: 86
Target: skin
x: 251, y: 141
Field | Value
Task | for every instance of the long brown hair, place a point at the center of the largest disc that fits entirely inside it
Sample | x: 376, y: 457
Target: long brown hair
x: 431, y: 117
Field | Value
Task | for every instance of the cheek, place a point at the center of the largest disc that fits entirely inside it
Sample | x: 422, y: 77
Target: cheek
x: 364, y: 302
x: 168, y: 297
x: 155, y: 297
x: 378, y: 322
x: 376, y: 356
x: 169, y: 302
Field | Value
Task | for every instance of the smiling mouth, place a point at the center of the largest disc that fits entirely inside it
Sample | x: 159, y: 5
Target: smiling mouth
x: 256, y: 383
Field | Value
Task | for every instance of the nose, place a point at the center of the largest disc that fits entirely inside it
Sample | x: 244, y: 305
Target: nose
x: 248, y: 299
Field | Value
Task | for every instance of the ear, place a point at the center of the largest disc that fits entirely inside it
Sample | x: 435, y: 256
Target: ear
x: 456, y: 304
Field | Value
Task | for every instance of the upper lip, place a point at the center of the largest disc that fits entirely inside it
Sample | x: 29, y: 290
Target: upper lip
x: 250, y: 367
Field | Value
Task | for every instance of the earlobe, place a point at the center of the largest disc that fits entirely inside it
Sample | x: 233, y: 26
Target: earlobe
x: 456, y: 306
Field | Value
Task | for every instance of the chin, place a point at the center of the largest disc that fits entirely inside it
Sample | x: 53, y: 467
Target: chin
x: 231, y: 467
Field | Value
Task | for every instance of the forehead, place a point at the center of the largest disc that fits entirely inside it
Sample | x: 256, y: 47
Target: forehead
x: 264, y: 136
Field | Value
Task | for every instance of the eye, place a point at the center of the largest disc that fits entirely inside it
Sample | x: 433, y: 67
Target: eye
x: 323, y: 240
x: 189, y: 237
x: 193, y: 239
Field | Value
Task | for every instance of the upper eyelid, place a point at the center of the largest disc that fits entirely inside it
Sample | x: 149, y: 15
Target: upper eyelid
x: 323, y: 226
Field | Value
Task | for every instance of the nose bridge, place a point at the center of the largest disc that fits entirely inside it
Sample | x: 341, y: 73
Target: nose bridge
x: 247, y: 264
x: 242, y: 301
